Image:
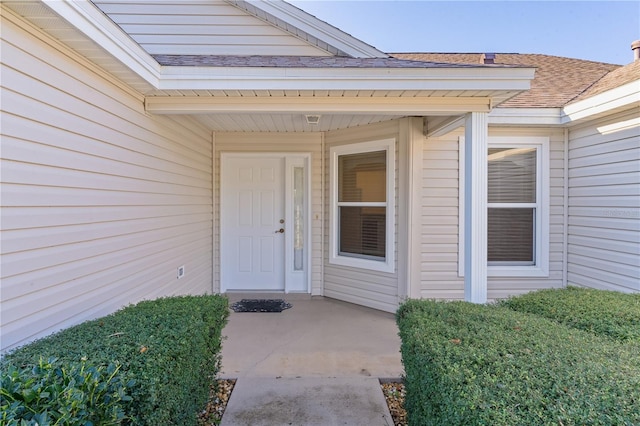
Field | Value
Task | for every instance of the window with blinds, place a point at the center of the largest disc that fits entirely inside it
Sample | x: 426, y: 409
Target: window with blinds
x: 362, y: 211
x: 512, y: 205
x: 362, y: 201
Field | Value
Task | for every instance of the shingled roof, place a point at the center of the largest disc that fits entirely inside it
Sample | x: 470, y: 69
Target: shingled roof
x: 302, y: 62
x: 558, y: 80
x: 616, y: 78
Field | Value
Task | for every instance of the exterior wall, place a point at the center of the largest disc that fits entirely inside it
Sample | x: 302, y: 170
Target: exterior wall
x: 284, y: 143
x: 440, y: 222
x: 365, y: 287
x: 604, y: 203
x: 100, y: 202
x: 202, y: 28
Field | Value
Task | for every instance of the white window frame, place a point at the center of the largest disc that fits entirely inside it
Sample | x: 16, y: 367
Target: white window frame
x: 388, y: 264
x: 541, y: 224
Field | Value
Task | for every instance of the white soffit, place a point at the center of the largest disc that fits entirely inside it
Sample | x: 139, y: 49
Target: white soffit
x: 314, y: 105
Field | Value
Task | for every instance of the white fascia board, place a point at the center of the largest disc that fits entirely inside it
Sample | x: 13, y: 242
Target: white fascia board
x: 89, y: 20
x: 324, y: 105
x: 526, y: 116
x: 264, y: 78
x: 626, y: 96
x: 318, y: 28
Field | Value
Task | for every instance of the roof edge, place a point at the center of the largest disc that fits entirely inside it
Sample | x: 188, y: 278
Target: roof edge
x: 94, y: 24
x: 313, y: 26
x: 274, y: 78
x: 617, y: 99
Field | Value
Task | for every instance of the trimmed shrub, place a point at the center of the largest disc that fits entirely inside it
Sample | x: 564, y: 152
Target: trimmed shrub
x: 609, y: 313
x: 167, y: 350
x: 53, y: 393
x: 469, y: 364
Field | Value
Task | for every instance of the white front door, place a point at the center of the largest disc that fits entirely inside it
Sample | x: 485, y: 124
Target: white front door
x: 252, y: 223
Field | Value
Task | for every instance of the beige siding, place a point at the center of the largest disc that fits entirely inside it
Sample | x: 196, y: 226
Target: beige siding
x: 440, y: 250
x: 604, y: 204
x: 202, y: 28
x: 100, y: 202
x: 369, y: 288
x: 280, y: 143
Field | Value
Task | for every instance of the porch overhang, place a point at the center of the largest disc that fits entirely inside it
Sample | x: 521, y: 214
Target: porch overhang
x: 426, y: 89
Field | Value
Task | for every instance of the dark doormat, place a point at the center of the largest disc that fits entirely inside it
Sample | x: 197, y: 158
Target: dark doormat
x: 260, y: 305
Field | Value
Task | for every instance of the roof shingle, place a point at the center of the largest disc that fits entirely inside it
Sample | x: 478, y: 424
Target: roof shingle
x: 302, y: 62
x: 557, y: 82
x: 616, y: 78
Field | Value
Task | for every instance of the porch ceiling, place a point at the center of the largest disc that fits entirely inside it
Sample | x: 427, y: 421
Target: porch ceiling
x: 285, y: 111
x: 285, y: 122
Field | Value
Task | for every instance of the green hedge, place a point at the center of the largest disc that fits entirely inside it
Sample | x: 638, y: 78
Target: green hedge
x: 609, y: 313
x: 469, y: 364
x: 165, y: 351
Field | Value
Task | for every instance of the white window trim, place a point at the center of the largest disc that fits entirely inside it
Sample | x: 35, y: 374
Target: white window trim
x: 541, y: 268
x: 388, y: 265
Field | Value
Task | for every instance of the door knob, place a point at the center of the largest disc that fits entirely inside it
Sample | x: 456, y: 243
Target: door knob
x: 281, y: 231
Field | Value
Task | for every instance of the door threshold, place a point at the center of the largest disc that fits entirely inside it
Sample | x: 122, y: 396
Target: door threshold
x: 236, y: 295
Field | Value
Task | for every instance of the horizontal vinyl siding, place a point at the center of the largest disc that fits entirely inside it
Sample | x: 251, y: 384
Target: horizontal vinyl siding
x: 439, y: 233
x: 202, y: 28
x: 100, y: 202
x: 280, y: 143
x: 440, y: 222
x: 374, y: 289
x: 604, y: 204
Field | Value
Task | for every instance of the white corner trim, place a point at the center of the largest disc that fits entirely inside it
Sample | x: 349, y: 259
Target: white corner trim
x: 624, y: 96
x: 89, y: 20
x: 315, y: 27
x: 475, y: 200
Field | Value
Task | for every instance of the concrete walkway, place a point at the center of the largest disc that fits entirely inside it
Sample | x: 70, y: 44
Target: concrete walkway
x: 317, y: 363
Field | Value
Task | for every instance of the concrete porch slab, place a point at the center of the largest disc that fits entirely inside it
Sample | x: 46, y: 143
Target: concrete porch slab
x: 307, y: 401
x: 317, y: 363
x: 316, y: 337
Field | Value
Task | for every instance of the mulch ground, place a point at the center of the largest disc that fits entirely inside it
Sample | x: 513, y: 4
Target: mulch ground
x: 394, y: 393
x: 219, y: 396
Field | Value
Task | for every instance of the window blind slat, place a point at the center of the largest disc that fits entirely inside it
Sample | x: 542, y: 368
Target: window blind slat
x: 362, y: 177
x: 512, y: 175
x: 363, y: 231
x: 512, y: 180
x: 510, y: 235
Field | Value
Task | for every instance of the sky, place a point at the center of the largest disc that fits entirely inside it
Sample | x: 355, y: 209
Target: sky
x: 600, y: 31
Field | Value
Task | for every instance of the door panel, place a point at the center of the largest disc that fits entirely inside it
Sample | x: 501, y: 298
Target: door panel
x: 252, y: 205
